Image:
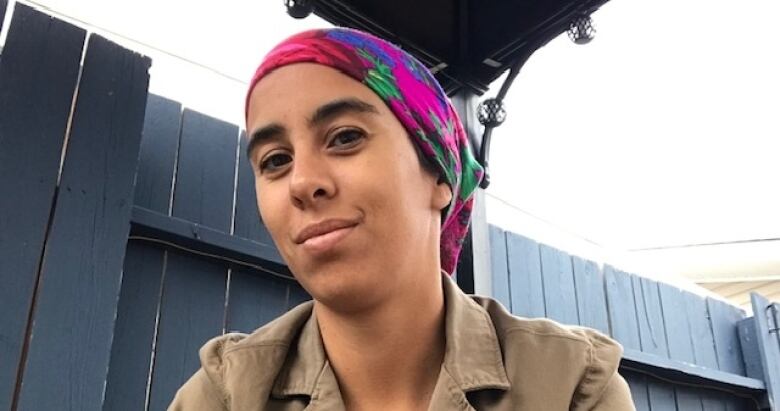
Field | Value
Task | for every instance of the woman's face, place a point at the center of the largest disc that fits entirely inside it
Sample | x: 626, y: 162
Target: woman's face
x: 326, y: 149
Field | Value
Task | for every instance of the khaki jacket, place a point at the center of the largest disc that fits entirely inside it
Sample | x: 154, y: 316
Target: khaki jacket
x: 493, y: 361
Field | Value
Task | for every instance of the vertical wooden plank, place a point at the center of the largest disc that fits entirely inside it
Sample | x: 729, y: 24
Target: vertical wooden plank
x: 637, y: 383
x: 661, y: 396
x: 591, y: 300
x: 713, y: 401
x: 131, y: 352
x: 498, y: 266
x: 3, y: 7
x: 139, y: 298
x: 652, y: 335
x: 678, y: 332
x: 35, y: 103
x: 622, y: 311
x: 525, y: 276
x: 255, y: 299
x: 767, y: 325
x: 248, y: 223
x: 702, y: 339
x: 76, y: 304
x: 687, y: 399
x: 157, y: 157
x: 724, y: 318
x: 560, y: 299
x: 206, y: 169
x: 751, y: 353
x: 192, y: 309
x: 191, y: 312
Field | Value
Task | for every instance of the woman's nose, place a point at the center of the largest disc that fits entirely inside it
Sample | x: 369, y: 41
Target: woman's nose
x: 310, y: 182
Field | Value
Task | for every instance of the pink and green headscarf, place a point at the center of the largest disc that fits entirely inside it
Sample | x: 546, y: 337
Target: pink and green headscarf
x: 413, y: 95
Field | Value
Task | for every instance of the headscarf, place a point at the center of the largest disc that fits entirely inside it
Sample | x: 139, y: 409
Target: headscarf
x: 413, y: 95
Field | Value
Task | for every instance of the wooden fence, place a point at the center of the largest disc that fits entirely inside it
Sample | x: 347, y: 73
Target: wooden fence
x: 129, y: 235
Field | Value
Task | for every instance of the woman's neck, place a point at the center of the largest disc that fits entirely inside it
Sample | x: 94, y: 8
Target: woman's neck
x: 388, y: 357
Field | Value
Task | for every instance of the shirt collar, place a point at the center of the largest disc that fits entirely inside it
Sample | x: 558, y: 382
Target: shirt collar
x: 472, y: 356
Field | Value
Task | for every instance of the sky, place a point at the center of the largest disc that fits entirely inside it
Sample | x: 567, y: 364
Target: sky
x: 661, y: 132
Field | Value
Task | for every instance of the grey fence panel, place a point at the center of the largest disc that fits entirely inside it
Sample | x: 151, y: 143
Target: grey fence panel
x: 248, y: 223
x: 724, y: 318
x: 206, y: 170
x: 637, y: 383
x: 560, y: 299
x: 157, y: 158
x: 74, y: 316
x: 652, y: 333
x: 35, y: 106
x: 767, y: 326
x: 139, y: 299
x: 661, y: 395
x: 678, y: 333
x: 498, y: 266
x: 591, y: 300
x: 192, y: 311
x: 131, y: 353
x: 702, y: 338
x: 192, y: 308
x: 622, y: 310
x: 3, y: 7
x: 687, y: 399
x: 255, y: 299
x: 525, y: 276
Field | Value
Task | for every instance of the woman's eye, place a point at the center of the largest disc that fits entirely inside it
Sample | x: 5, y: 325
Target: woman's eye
x: 347, y: 137
x: 274, y: 162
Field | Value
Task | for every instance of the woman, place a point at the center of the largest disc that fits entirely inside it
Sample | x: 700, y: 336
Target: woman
x: 364, y: 179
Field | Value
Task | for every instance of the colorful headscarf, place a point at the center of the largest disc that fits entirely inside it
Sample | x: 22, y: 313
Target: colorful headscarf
x: 413, y: 95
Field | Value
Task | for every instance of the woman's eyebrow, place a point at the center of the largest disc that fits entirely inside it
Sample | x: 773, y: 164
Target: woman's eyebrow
x: 339, y: 107
x: 264, y: 135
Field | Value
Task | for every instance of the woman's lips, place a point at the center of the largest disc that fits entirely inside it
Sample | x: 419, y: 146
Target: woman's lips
x: 325, y: 242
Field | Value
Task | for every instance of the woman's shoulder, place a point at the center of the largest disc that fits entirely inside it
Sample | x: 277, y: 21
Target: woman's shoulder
x: 541, y: 351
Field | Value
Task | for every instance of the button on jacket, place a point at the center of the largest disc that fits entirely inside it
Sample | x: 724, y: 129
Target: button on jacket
x: 493, y: 361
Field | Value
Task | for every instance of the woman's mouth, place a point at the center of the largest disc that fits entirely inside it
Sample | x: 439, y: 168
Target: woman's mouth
x: 322, y: 237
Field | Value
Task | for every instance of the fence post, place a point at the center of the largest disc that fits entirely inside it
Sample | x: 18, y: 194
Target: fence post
x: 766, y: 317
x: 476, y: 249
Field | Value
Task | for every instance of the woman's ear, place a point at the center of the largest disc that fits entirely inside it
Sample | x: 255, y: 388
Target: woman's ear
x: 442, y: 194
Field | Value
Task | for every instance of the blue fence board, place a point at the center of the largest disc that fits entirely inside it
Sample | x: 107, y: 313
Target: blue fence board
x: 560, y: 299
x: 131, y: 352
x: 724, y: 318
x: 248, y: 223
x: 678, y: 332
x: 157, y: 157
x: 687, y: 399
x: 498, y: 266
x: 34, y: 109
x: 255, y: 299
x: 192, y: 312
x: 525, y: 276
x: 622, y: 310
x: 767, y: 324
x: 637, y: 383
x: 661, y: 395
x: 206, y: 170
x: 652, y: 335
x: 73, y: 322
x: 591, y: 300
x: 702, y: 338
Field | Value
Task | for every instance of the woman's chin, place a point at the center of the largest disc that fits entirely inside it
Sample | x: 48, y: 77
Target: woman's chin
x: 346, y: 290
